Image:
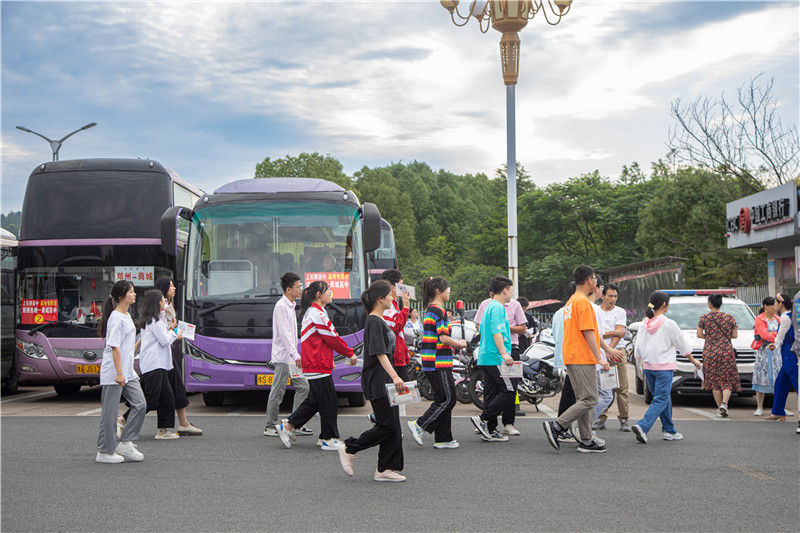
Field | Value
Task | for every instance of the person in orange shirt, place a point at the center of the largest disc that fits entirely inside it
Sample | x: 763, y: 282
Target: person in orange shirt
x: 581, y: 351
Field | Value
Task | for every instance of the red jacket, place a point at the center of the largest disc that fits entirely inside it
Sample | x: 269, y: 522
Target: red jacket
x: 319, y: 341
x: 396, y: 320
x: 762, y: 331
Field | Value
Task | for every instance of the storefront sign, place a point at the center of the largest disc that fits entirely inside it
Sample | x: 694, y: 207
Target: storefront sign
x: 764, y: 215
x: 140, y: 276
x: 39, y: 311
x: 763, y: 218
x: 339, y: 282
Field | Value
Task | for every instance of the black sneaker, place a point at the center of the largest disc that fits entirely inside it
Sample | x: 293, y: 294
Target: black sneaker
x: 495, y: 436
x: 480, y: 425
x: 592, y: 447
x: 566, y: 436
x: 552, y: 434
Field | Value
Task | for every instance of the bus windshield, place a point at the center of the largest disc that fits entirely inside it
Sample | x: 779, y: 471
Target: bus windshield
x: 241, y: 250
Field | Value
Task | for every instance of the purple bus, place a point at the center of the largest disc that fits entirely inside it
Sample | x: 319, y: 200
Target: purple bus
x: 86, y: 224
x: 242, y: 239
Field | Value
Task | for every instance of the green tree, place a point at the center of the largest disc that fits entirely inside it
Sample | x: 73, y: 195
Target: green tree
x: 304, y: 165
x: 11, y: 222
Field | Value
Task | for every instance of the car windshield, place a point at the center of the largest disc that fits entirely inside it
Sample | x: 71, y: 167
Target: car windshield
x: 687, y: 314
x: 242, y: 250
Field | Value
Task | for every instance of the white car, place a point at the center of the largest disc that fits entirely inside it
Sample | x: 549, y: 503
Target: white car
x: 685, y: 308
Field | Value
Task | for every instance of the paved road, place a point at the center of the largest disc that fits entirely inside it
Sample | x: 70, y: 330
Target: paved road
x: 732, y: 476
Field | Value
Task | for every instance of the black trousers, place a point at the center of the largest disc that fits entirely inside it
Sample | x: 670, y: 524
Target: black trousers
x: 176, y: 377
x: 386, y: 434
x: 157, y: 391
x: 321, y: 399
x: 567, y: 399
x: 510, y: 413
x: 437, y: 419
x: 499, y: 394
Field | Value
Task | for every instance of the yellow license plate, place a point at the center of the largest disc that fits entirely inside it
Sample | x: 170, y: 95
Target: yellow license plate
x: 266, y: 379
x: 87, y: 369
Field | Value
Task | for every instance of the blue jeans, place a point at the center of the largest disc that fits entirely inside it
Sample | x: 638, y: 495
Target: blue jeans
x: 660, y: 383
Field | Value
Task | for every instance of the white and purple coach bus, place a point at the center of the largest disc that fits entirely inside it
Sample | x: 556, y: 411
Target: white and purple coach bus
x: 86, y: 224
x: 242, y: 239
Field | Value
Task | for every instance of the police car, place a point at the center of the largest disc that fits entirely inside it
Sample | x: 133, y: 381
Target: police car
x: 685, y: 308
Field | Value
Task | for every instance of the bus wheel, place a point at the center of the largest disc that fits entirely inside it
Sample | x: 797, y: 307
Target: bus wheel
x: 11, y: 385
x: 67, y: 389
x: 214, y: 399
x: 356, y: 399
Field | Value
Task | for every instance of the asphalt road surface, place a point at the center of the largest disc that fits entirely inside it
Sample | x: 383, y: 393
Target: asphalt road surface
x: 726, y: 475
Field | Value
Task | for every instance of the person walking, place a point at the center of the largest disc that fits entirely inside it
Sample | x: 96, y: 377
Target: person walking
x: 396, y: 317
x: 720, y: 374
x: 379, y: 341
x: 658, y: 341
x: 768, y: 359
x: 567, y: 398
x: 495, y: 350
x: 437, y: 360
x: 285, y: 354
x: 613, y: 326
x: 318, y: 342
x: 784, y: 341
x: 118, y: 378
x: 581, y: 350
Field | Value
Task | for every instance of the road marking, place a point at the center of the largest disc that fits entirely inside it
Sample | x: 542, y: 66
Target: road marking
x: 403, y: 410
x: 703, y: 413
x: 87, y: 413
x: 29, y: 397
x: 239, y: 411
x: 757, y: 475
x: 546, y: 410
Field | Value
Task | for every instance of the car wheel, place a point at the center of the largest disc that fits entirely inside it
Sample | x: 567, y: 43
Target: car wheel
x: 648, y: 396
x: 356, y: 399
x: 639, y: 385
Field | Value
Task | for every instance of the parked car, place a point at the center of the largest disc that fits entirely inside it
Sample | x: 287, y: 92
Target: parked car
x: 685, y: 308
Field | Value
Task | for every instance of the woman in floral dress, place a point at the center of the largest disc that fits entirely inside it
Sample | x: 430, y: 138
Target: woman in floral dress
x: 720, y: 374
x: 768, y: 361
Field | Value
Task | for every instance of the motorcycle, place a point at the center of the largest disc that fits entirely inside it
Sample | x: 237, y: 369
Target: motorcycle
x: 540, y: 379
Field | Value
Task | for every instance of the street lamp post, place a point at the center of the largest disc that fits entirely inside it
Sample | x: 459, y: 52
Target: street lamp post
x: 509, y: 17
x: 56, y: 145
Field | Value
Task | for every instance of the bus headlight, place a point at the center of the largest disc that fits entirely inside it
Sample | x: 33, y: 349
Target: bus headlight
x: 31, y: 349
x: 199, y: 355
x: 351, y: 377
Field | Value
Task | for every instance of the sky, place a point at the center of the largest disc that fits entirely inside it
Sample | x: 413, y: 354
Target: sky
x: 210, y: 89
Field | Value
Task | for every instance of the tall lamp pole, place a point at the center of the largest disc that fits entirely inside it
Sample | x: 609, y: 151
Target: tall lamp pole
x: 509, y: 17
x: 56, y: 145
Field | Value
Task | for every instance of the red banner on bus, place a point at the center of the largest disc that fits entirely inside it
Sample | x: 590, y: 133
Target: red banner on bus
x: 39, y: 311
x: 338, y: 281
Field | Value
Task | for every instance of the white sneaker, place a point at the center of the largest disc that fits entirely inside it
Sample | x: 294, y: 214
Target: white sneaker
x: 270, y: 432
x: 758, y: 412
x: 672, y: 436
x: 449, y: 445
x: 284, y: 434
x: 389, y: 475
x: 788, y: 412
x: 127, y: 450
x: 346, y: 460
x: 509, y: 429
x: 416, y: 431
x: 597, y: 440
x: 120, y: 426
x: 332, y: 444
x: 167, y: 435
x: 189, y: 431
x: 108, y: 458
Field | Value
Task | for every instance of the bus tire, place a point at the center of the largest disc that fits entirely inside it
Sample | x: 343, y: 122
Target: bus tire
x: 356, y: 399
x: 11, y: 384
x: 67, y: 389
x: 214, y: 399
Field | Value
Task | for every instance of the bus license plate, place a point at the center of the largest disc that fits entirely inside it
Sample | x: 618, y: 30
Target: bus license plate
x: 266, y: 379
x: 87, y: 369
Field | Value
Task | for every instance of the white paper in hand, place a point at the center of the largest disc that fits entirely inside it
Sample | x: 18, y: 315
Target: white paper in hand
x: 609, y: 379
x: 513, y: 371
x: 410, y: 396
x: 187, y: 329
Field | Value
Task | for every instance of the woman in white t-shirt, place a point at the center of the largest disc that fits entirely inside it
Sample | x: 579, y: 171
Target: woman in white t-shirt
x: 117, y: 378
x: 658, y: 340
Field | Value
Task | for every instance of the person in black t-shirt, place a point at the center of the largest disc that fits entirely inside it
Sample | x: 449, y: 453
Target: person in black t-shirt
x: 378, y: 371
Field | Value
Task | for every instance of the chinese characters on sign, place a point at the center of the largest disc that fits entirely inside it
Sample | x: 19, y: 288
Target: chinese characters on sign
x: 140, y: 276
x: 338, y: 281
x: 39, y: 311
x: 772, y: 212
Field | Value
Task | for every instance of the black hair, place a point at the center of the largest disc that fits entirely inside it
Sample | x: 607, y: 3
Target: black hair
x: 715, y: 300
x: 151, y: 309
x: 769, y: 300
x: 581, y: 274
x: 118, y: 292
x: 786, y: 300
x: 658, y: 299
x: 499, y: 283
x: 311, y: 293
x: 571, y: 288
x: 610, y: 287
x: 523, y: 302
x: 430, y: 286
x: 288, y: 280
x: 377, y: 289
x: 392, y: 275
x: 162, y: 284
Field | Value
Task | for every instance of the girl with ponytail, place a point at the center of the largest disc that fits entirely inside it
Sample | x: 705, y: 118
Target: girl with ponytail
x: 318, y: 342
x: 379, y: 370
x: 118, y: 378
x: 658, y: 340
x: 437, y: 360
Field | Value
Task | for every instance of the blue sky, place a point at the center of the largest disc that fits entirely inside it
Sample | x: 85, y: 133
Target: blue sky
x: 210, y: 88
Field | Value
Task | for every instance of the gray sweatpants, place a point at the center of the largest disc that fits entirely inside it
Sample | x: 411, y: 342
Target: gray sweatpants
x: 278, y: 390
x: 109, y: 398
x: 584, y: 383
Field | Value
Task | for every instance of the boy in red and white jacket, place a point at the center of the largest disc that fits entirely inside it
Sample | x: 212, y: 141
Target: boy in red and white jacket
x: 396, y: 319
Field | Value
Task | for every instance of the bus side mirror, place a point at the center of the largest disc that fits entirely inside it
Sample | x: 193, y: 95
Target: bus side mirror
x: 169, y: 227
x: 372, y: 227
